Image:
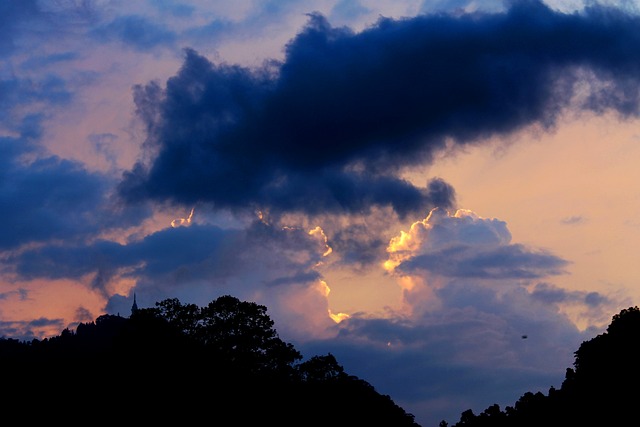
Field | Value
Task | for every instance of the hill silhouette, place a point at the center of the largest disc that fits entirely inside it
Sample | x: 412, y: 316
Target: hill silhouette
x: 182, y: 364
x: 224, y: 363
x: 602, y: 388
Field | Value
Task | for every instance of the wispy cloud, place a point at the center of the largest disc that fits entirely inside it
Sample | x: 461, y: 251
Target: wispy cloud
x: 573, y: 220
x: 137, y: 32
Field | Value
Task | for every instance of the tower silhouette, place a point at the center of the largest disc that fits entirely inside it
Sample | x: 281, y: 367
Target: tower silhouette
x: 134, y: 306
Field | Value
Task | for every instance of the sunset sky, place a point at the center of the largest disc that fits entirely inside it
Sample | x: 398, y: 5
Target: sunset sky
x: 412, y: 186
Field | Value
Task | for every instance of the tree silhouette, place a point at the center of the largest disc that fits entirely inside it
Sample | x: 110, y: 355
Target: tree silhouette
x: 184, y: 317
x: 244, y: 334
x: 321, y: 368
x: 181, y: 364
x: 600, y: 389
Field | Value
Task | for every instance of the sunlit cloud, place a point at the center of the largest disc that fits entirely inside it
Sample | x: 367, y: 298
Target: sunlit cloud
x: 465, y: 245
x: 336, y: 317
x: 323, y: 238
x: 420, y: 256
x: 182, y: 221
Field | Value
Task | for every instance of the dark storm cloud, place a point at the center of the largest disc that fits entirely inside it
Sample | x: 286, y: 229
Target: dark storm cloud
x: 336, y: 191
x: 135, y: 31
x: 512, y: 261
x: 330, y: 126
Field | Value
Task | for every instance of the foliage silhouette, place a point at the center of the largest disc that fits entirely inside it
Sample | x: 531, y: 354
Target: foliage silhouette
x: 601, y: 389
x: 179, y: 363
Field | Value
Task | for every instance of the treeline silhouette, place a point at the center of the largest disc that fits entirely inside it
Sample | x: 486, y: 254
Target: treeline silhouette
x: 222, y: 364
x: 602, y: 388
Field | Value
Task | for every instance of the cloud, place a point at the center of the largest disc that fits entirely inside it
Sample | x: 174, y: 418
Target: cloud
x: 25, y: 101
x: 470, y: 294
x: 467, y: 354
x: 30, y: 21
x: 28, y: 330
x: 513, y: 261
x: 445, y: 247
x: 48, y: 197
x: 573, y: 220
x: 339, y: 118
x: 443, y: 230
x: 154, y: 256
x: 461, y: 261
x: 13, y: 15
x: 348, y: 10
x: 327, y: 130
x: 246, y: 32
x: 177, y: 9
x: 136, y: 31
x: 52, y: 198
x: 104, y: 145
x: 269, y: 264
x: 462, y: 6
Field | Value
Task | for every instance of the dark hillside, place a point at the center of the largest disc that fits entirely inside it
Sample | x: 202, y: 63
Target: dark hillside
x: 602, y: 389
x: 223, y: 364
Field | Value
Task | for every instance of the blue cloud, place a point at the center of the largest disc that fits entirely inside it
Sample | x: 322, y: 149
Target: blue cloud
x: 14, y: 14
x: 136, y: 31
x: 512, y: 261
x: 336, y: 121
x: 53, y: 198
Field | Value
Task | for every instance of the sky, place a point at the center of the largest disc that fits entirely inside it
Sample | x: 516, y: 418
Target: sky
x: 442, y: 194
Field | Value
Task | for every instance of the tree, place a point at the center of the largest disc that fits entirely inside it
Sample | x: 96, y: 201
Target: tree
x: 242, y: 333
x: 321, y: 368
x: 178, y: 364
x: 184, y: 317
x: 599, y: 390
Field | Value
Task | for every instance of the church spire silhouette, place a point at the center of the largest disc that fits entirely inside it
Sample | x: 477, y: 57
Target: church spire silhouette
x: 134, y: 306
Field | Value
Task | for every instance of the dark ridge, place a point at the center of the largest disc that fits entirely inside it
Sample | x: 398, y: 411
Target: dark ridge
x: 600, y: 390
x: 180, y: 364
